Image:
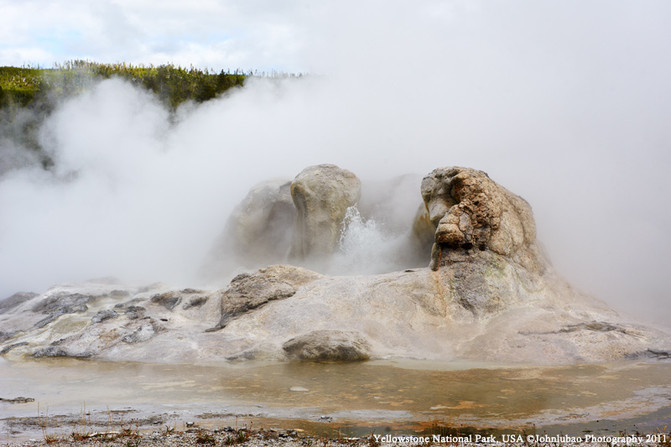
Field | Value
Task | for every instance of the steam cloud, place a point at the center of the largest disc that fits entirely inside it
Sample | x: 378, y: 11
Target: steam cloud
x: 564, y: 103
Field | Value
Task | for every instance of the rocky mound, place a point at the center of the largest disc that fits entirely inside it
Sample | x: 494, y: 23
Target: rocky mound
x: 474, y: 216
x: 488, y: 295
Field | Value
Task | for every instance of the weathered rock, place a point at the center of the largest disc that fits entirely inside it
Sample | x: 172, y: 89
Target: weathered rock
x: 474, y: 214
x: 63, y: 303
x: 15, y: 300
x: 134, y: 312
x: 321, y: 195
x: 8, y: 348
x: 104, y: 315
x: 190, y: 290
x: 195, y: 302
x: 500, y: 313
x: 53, y: 351
x: 259, y: 230
x: 650, y: 354
x: 169, y: 300
x: 328, y: 346
x: 17, y: 400
x: 6, y: 335
x: 248, y: 292
x: 145, y: 331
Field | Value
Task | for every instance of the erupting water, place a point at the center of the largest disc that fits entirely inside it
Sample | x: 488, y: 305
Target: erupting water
x: 367, y: 247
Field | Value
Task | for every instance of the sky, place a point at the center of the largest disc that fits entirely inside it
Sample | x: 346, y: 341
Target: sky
x: 566, y: 103
x: 228, y: 35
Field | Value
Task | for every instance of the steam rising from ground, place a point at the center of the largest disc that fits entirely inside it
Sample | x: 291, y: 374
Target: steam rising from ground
x: 564, y: 103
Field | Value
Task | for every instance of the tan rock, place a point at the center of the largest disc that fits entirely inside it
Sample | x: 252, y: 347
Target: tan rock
x: 321, y: 195
x: 472, y: 213
x: 259, y: 230
x: 251, y: 291
x: 328, y: 346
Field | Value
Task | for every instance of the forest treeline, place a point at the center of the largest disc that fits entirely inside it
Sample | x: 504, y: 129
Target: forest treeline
x: 173, y: 85
x: 29, y: 94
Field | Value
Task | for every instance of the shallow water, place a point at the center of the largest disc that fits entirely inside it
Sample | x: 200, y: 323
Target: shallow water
x: 395, y: 395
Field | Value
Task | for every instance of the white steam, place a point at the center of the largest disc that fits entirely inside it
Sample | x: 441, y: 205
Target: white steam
x: 564, y: 103
x: 367, y: 247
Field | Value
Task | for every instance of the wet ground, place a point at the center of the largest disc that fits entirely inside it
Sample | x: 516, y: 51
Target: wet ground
x: 63, y: 395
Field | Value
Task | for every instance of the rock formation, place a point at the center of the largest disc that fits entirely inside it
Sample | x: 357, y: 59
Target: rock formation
x: 472, y: 213
x: 328, y: 346
x: 485, y: 239
x: 488, y: 296
x: 281, y: 220
x: 247, y: 292
x: 321, y: 195
x: 259, y: 230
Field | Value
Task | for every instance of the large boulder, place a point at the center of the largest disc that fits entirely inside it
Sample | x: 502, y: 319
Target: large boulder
x: 252, y: 291
x: 259, y: 230
x: 322, y: 194
x: 328, y: 346
x: 473, y: 214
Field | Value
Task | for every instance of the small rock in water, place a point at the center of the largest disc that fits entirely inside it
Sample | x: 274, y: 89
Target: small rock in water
x: 53, y: 351
x: 298, y: 389
x: 328, y: 346
x: 18, y: 400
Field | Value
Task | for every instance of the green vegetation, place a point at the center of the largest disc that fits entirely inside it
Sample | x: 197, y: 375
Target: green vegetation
x: 29, y: 94
x: 174, y: 85
x: 19, y: 85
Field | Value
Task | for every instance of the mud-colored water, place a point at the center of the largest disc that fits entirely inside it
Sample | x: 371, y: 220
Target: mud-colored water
x: 359, y: 397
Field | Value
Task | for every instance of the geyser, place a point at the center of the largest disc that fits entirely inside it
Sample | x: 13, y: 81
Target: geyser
x: 320, y: 220
x: 489, y: 296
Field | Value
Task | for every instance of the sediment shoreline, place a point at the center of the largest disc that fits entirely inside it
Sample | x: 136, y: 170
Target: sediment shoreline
x: 228, y: 436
